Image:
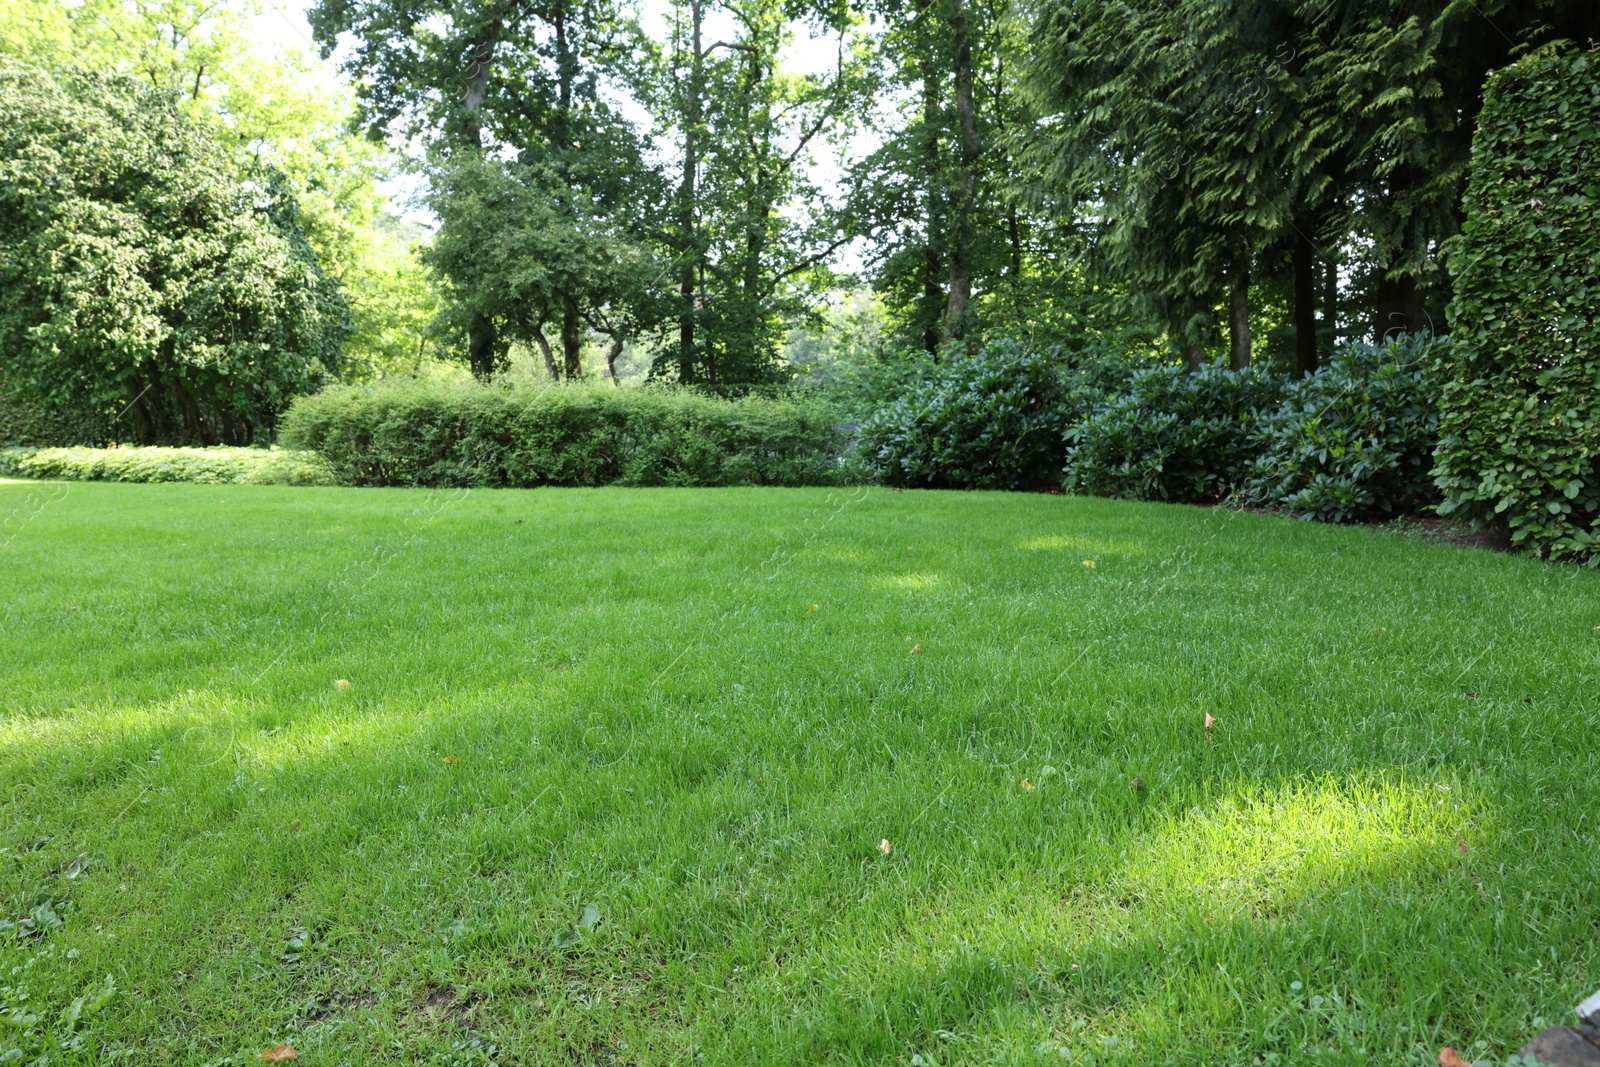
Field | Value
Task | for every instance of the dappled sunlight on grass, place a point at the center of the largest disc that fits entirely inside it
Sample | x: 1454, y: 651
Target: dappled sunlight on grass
x: 542, y: 718
x: 1091, y: 547
x: 1257, y: 849
x: 911, y: 583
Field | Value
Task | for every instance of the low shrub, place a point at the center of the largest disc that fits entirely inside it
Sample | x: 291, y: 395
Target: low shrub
x: 1169, y: 434
x: 1519, y: 407
x: 1355, y: 440
x: 989, y: 420
x: 470, y: 434
x: 212, y: 466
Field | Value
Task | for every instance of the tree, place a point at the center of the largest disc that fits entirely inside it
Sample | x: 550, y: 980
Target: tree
x: 522, y: 80
x: 140, y: 275
x: 1213, y: 139
x: 747, y: 130
x: 517, y: 253
x: 279, y: 114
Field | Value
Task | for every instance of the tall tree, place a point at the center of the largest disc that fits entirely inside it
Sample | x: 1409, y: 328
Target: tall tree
x: 748, y: 130
x: 518, y: 78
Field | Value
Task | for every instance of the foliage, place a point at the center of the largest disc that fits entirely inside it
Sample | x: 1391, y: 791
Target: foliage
x: 138, y: 273
x: 989, y: 420
x: 1354, y: 440
x: 472, y: 434
x: 209, y: 466
x: 1201, y: 140
x: 285, y: 114
x: 1520, y: 405
x: 25, y: 420
x: 522, y: 248
x: 1170, y: 434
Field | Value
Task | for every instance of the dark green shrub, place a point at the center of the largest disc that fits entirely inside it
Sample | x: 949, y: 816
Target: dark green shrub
x: 26, y: 420
x: 989, y: 420
x: 1354, y: 440
x: 1169, y: 434
x: 1519, y: 409
x: 468, y: 434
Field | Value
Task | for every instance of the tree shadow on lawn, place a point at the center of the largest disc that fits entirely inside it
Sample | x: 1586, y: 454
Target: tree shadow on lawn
x: 747, y: 913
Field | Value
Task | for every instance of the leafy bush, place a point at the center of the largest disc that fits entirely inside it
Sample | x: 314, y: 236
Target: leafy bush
x: 1354, y: 440
x: 140, y: 274
x: 213, y: 466
x: 1169, y: 434
x: 990, y: 420
x: 470, y: 434
x: 1519, y: 411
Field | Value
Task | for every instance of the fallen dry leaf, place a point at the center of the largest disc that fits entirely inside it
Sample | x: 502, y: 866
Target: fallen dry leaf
x: 451, y: 759
x: 885, y: 847
x: 1449, y: 1058
x: 915, y: 649
x: 1089, y: 563
x: 1138, y: 783
x: 279, y: 1053
x: 1210, y: 722
x: 1461, y: 845
x: 1027, y: 786
x: 813, y: 607
x: 341, y: 683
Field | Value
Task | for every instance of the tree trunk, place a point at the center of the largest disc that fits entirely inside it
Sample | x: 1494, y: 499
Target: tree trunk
x: 612, y: 355
x: 571, y: 339
x: 686, y: 200
x: 481, y: 338
x: 544, y: 350
x: 967, y: 182
x: 932, y: 270
x: 1193, y: 358
x: 1239, y: 318
x: 1399, y: 309
x: 1305, y: 301
x: 1330, y: 302
x: 481, y: 345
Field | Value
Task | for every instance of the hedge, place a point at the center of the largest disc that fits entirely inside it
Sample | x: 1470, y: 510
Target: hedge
x: 1520, y: 398
x: 414, y: 433
x: 214, y: 466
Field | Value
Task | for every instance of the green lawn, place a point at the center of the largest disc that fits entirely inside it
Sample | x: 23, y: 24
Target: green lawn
x: 693, y: 715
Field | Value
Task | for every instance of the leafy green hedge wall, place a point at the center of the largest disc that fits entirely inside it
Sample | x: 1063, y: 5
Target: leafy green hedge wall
x: 1520, y: 399
x: 468, y: 434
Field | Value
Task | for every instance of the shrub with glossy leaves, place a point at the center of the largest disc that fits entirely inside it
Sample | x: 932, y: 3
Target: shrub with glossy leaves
x: 1170, y: 434
x: 1519, y: 409
x: 1354, y: 440
x: 988, y: 420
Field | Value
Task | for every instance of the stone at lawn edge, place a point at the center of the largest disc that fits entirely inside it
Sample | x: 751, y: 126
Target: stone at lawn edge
x: 1566, y: 1046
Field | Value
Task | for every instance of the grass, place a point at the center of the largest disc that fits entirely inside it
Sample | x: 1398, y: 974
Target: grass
x: 611, y: 773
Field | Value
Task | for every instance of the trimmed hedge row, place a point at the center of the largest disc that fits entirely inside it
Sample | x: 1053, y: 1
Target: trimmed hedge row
x: 212, y: 466
x: 407, y: 433
x: 1520, y: 404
